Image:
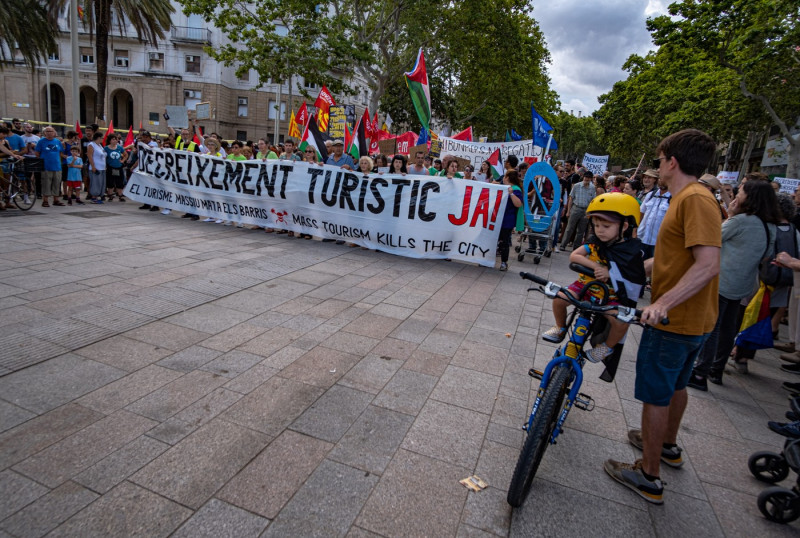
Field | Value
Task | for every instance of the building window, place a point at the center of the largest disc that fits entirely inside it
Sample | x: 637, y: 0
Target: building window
x: 241, y: 135
x: 309, y: 85
x: 191, y: 98
x: 53, y: 56
x: 121, y: 59
x: 193, y: 64
x: 244, y: 77
x: 241, y: 111
x: 272, y: 109
x: 87, y: 55
x: 156, y: 61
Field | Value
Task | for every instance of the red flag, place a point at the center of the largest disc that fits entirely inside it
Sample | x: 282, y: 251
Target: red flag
x: 108, y: 131
x: 465, y: 135
x: 198, y: 136
x: 405, y: 142
x: 140, y: 125
x: 302, y: 115
x: 323, y: 103
x: 375, y: 127
x: 367, y: 123
x: 530, y: 160
x: 78, y: 129
x: 130, y: 139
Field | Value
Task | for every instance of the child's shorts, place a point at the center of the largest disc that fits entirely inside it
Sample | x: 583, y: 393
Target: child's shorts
x: 594, y: 294
x: 74, y: 184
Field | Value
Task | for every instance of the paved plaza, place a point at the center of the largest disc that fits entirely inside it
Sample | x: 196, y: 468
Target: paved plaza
x: 163, y: 377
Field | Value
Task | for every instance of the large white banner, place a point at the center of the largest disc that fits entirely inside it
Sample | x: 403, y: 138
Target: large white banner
x: 596, y: 164
x: 477, y: 152
x: 414, y: 216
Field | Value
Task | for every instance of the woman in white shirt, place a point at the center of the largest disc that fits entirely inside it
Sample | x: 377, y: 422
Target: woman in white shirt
x: 96, y: 157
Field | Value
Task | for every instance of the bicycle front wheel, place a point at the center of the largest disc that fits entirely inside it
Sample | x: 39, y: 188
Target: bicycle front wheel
x: 25, y: 196
x: 539, y: 434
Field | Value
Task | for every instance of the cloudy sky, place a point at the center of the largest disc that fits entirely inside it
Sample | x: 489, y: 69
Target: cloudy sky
x: 589, y: 41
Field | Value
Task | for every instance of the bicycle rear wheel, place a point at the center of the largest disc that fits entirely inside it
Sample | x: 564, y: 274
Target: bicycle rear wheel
x: 24, y: 195
x: 539, y: 435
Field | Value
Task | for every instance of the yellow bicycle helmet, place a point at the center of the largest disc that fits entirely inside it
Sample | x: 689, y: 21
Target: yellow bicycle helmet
x: 623, y: 205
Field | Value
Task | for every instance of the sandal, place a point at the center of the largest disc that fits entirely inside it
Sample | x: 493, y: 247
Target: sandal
x: 45, y: 204
x: 554, y: 334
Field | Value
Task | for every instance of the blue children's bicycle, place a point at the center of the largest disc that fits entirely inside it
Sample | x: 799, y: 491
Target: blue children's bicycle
x: 562, y: 378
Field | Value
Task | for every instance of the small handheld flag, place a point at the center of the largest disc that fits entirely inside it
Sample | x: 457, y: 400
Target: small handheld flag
x: 417, y: 82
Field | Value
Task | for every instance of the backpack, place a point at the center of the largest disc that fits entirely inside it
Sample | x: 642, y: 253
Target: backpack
x: 774, y: 275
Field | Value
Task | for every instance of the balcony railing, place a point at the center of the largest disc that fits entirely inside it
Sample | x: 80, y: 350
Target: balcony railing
x: 191, y: 35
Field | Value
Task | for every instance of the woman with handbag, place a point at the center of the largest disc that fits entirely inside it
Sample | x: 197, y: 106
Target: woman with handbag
x: 748, y: 237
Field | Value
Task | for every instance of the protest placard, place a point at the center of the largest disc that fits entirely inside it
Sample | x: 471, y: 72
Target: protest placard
x: 596, y: 164
x: 414, y: 216
x: 203, y: 111
x: 178, y: 117
x: 337, y: 121
x: 788, y: 185
x: 477, y: 152
x: 728, y: 176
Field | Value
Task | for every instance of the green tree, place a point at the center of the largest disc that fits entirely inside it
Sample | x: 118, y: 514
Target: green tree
x: 151, y: 20
x: 24, y: 24
x: 754, y: 40
x: 576, y: 136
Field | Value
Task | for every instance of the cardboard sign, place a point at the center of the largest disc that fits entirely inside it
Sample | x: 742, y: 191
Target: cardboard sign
x: 178, y: 116
x: 387, y: 147
x: 203, y: 111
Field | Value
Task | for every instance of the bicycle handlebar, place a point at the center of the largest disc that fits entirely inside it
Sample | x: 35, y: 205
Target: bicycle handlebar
x: 624, y: 313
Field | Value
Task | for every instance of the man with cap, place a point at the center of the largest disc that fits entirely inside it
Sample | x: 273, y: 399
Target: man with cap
x: 654, y: 207
x: 339, y: 157
x: 579, y: 197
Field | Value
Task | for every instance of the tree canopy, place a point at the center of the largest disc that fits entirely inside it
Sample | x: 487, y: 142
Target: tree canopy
x: 24, y: 24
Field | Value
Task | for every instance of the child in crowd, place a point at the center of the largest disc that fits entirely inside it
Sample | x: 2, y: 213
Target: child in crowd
x: 74, y: 175
x: 617, y: 260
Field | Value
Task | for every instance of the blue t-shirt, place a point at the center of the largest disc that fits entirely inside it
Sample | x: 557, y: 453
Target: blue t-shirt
x: 15, y: 141
x: 343, y: 160
x: 114, y: 156
x: 74, y: 174
x: 50, y: 152
x: 510, y: 216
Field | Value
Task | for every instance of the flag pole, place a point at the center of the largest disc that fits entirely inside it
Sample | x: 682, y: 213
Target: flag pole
x: 639, y: 165
x: 547, y: 149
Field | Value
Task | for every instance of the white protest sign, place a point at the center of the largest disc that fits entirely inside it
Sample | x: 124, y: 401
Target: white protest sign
x: 178, y: 116
x: 596, y: 164
x: 787, y: 185
x: 728, y: 176
x: 477, y: 152
x: 413, y: 216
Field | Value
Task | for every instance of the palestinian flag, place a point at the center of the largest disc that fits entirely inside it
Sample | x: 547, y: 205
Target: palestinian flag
x: 358, y: 146
x: 417, y: 82
x: 324, y: 103
x: 312, y: 137
x: 496, y: 168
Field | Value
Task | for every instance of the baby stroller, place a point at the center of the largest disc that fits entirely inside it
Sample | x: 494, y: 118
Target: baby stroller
x: 538, y: 229
x: 541, y: 221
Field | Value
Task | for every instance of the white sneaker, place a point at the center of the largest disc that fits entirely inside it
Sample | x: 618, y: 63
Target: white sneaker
x: 26, y: 199
x: 240, y: 225
x: 227, y: 223
x: 209, y: 219
x: 556, y: 249
x: 166, y: 211
x: 599, y: 352
x: 218, y: 221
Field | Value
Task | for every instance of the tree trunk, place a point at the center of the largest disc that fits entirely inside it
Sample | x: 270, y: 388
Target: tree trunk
x: 793, y: 163
x: 752, y: 136
x: 102, y: 11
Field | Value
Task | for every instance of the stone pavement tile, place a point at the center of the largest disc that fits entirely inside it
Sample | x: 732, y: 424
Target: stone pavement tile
x: 354, y: 294
x: 449, y: 433
x: 416, y: 496
x: 53, y: 383
x: 441, y: 342
x: 320, y: 508
x: 497, y: 322
x: 427, y: 363
x: 128, y: 389
x: 16, y: 492
x: 232, y: 363
x: 68, y: 457
x: 371, y: 373
x: 251, y: 379
x: 250, y: 302
x: 309, y: 276
x: 406, y: 392
x: 49, y: 511
x: 506, y: 435
x: 111, y: 316
x: 496, y: 464
x: 413, y: 330
x: 321, y: 367
x: 373, y: 440
x: 707, y: 416
x: 172, y: 431
x: 543, y: 514
x: 167, y: 335
x: 515, y: 385
x: 124, y: 353
x: 684, y: 516
x: 488, y: 510
x: 208, y: 407
x: 319, y: 334
x: 491, y: 338
x: 177, y: 395
x: 298, y: 305
x: 407, y: 298
x: 40, y: 432
x: 304, y: 322
x: 481, y: 357
x: 603, y: 393
x: 327, y: 292
x: 119, y: 465
x: 127, y: 510
x: 467, y: 388
x: 218, y: 519
x: 751, y: 422
x: 283, y: 357
x: 284, y: 287
x: 394, y: 349
x: 333, y: 414
x: 357, y: 532
x: 392, y: 311
x: 153, y: 279
x: 60, y: 303
x: 194, y: 469
x: 12, y: 415
x: 454, y: 325
x: 577, y: 462
x: 468, y: 531
x: 351, y: 343
x: 464, y: 311
x: 190, y: 359
x: 372, y: 325
x: 271, y: 341
x: 233, y: 337
x: 602, y: 422
x: 509, y: 411
x: 274, y: 405
x: 331, y: 307
x: 209, y: 318
x: 267, y: 483
x: 739, y: 515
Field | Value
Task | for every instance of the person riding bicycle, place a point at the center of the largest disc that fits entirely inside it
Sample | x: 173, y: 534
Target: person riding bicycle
x: 617, y: 259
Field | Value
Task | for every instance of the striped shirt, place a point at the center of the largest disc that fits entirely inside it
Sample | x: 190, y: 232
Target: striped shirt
x: 581, y: 195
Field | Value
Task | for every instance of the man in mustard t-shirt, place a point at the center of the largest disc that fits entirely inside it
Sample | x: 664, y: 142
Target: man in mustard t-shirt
x: 684, y: 289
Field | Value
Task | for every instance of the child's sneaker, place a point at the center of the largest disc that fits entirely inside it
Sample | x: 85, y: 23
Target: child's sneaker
x: 599, y: 352
x: 631, y: 476
x: 554, y: 334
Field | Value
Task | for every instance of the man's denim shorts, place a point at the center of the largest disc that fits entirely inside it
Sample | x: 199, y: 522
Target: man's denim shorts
x: 664, y: 364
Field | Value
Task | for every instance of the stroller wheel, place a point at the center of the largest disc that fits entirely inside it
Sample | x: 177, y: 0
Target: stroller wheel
x: 517, y: 248
x: 537, y: 259
x: 547, y: 253
x: 520, y: 257
x: 779, y: 504
x: 768, y: 466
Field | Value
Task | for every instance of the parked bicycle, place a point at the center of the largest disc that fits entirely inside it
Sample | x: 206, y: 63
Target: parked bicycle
x: 20, y: 188
x: 562, y: 377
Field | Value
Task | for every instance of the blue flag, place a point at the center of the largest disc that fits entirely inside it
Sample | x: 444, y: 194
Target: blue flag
x: 515, y: 136
x: 540, y: 128
x: 424, y: 137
